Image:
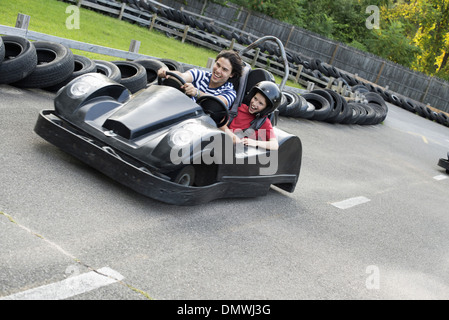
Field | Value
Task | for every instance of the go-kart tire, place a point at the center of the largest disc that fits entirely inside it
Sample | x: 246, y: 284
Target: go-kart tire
x: 109, y: 69
x: 151, y: 66
x: 55, y: 63
x: 185, y: 176
x: 20, y: 59
x: 134, y: 75
x: 2, y: 50
x: 82, y: 66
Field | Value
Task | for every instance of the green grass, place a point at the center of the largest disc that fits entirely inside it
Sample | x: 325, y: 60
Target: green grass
x: 49, y: 17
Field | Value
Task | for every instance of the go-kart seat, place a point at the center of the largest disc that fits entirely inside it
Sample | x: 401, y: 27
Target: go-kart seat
x: 248, y: 80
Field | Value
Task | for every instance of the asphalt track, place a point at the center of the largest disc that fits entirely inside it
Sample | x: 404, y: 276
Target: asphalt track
x: 368, y: 220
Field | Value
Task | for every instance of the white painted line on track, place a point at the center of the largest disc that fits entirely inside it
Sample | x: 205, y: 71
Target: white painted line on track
x: 349, y: 203
x: 70, y: 287
x: 440, y: 177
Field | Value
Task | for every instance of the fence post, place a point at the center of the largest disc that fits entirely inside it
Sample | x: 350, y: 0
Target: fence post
x: 153, y: 21
x: 256, y: 56
x: 122, y: 9
x: 79, y: 3
x: 203, y: 8
x: 427, y: 89
x: 231, y: 46
x: 298, y: 73
x: 310, y: 85
x: 210, y: 62
x: 184, y: 36
x: 23, y: 21
x: 134, y: 47
x: 248, y: 14
x: 334, y: 54
x: 380, y: 72
x: 289, y: 35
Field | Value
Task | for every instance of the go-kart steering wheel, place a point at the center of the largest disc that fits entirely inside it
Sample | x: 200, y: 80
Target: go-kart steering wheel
x: 215, y: 108
x: 176, y: 82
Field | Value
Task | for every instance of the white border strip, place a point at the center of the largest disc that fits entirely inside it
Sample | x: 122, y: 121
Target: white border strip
x: 349, y: 203
x: 70, y: 287
x: 440, y: 177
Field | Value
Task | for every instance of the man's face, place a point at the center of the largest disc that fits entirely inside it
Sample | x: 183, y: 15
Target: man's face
x: 221, y: 72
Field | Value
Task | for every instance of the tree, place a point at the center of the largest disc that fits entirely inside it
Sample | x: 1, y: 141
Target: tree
x: 429, y: 25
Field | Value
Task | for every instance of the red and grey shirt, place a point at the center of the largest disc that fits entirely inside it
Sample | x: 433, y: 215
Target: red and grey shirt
x: 243, y: 121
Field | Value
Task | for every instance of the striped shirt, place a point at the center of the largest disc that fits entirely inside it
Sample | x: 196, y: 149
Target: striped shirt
x: 201, y: 81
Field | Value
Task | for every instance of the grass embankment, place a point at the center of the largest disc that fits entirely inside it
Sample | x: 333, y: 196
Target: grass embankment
x: 49, y: 17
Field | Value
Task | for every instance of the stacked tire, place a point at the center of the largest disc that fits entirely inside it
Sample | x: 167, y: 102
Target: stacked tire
x: 328, y: 106
x: 50, y: 66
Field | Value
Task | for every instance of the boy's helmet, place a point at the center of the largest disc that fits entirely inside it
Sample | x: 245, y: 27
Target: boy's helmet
x: 271, y: 92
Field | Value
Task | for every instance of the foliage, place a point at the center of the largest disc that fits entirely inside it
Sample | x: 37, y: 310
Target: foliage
x: 414, y: 33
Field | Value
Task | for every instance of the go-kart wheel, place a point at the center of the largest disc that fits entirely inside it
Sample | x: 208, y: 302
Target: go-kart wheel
x: 215, y: 108
x: 175, y: 81
x: 185, y: 176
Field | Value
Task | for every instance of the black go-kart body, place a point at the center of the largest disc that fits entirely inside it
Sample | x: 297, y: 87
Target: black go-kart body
x: 162, y: 144
x: 444, y: 163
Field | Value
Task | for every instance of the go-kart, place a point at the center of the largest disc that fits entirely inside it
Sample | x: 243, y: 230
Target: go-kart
x: 444, y: 163
x: 162, y: 144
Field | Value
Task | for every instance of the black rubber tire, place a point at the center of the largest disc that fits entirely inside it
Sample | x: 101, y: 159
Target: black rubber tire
x: 323, y: 112
x: 109, y: 69
x: 354, y: 115
x: 408, y: 105
x: 335, y: 112
x: 55, y: 63
x: 82, y: 66
x: 396, y: 100
x: 185, y: 176
x: 292, y: 106
x: 442, y: 118
x: 376, y: 98
x: 321, y: 104
x: 20, y: 59
x: 134, y: 75
x: 173, y: 65
x: 151, y: 66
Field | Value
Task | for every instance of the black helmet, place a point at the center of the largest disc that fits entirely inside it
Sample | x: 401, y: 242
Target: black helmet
x: 271, y: 92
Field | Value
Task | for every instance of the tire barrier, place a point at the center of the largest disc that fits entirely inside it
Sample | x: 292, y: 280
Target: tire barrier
x: 133, y: 75
x: 50, y: 66
x: 329, y: 106
x: 365, y: 90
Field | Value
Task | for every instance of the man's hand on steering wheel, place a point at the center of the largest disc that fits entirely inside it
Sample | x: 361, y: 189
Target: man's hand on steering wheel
x: 190, y: 89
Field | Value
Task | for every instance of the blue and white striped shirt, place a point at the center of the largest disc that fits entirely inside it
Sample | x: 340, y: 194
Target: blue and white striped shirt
x: 201, y: 79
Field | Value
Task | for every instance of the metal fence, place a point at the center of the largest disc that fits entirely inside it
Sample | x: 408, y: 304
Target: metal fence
x: 398, y: 79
